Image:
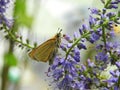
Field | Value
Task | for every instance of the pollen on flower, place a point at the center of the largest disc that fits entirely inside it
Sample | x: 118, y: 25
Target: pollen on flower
x: 116, y: 29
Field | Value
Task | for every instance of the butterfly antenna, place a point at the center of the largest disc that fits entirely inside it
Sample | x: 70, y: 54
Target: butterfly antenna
x: 59, y: 30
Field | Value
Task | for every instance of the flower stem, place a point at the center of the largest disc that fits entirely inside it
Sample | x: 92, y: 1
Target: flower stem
x: 104, y: 35
x: 108, y: 2
x: 12, y: 36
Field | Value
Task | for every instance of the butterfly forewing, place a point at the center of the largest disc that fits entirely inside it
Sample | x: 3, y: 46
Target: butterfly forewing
x: 47, y: 50
x: 43, y: 52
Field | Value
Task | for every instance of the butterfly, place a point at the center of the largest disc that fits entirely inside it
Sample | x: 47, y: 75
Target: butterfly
x: 47, y: 50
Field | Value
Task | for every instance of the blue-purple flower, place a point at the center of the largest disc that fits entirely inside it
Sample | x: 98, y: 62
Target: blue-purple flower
x: 3, y: 20
x: 94, y: 37
x: 69, y: 73
x: 64, y: 73
x: 114, y: 81
x: 102, y: 56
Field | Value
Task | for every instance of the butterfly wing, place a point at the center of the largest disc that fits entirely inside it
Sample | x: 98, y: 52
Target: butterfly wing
x: 31, y: 54
x: 47, y: 50
x: 44, y: 51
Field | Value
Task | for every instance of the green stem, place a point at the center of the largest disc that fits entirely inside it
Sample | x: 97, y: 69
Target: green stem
x: 16, y: 40
x: 118, y: 83
x: 104, y: 35
x: 75, y: 43
x: 108, y: 2
x: 24, y: 44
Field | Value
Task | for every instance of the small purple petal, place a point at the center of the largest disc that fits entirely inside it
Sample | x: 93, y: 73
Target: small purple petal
x: 117, y: 64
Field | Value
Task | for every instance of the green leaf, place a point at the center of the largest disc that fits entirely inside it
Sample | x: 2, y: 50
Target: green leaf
x: 10, y: 59
x: 20, y: 13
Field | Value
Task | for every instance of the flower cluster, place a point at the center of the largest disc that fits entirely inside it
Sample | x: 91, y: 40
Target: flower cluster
x: 69, y: 73
x: 3, y: 19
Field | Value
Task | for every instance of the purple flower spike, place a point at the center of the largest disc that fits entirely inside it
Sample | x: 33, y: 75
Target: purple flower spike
x: 76, y: 58
x: 81, y: 31
x: 69, y: 73
x: 81, y: 46
x: 63, y: 47
x: 76, y: 55
x: 95, y: 11
x: 92, y: 21
x: 57, y: 74
x: 117, y: 64
x: 113, y: 6
x: 115, y: 2
x: 94, y: 37
x: 67, y: 37
x: 116, y: 88
x: 83, y: 67
x: 90, y: 64
x: 104, y: 10
x: 84, y: 27
x: 112, y: 73
x: 69, y: 45
x: 102, y: 56
x: 3, y: 19
x: 76, y: 35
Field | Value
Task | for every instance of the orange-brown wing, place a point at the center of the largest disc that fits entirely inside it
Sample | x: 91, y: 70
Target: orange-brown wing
x: 31, y: 54
x: 42, y: 52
